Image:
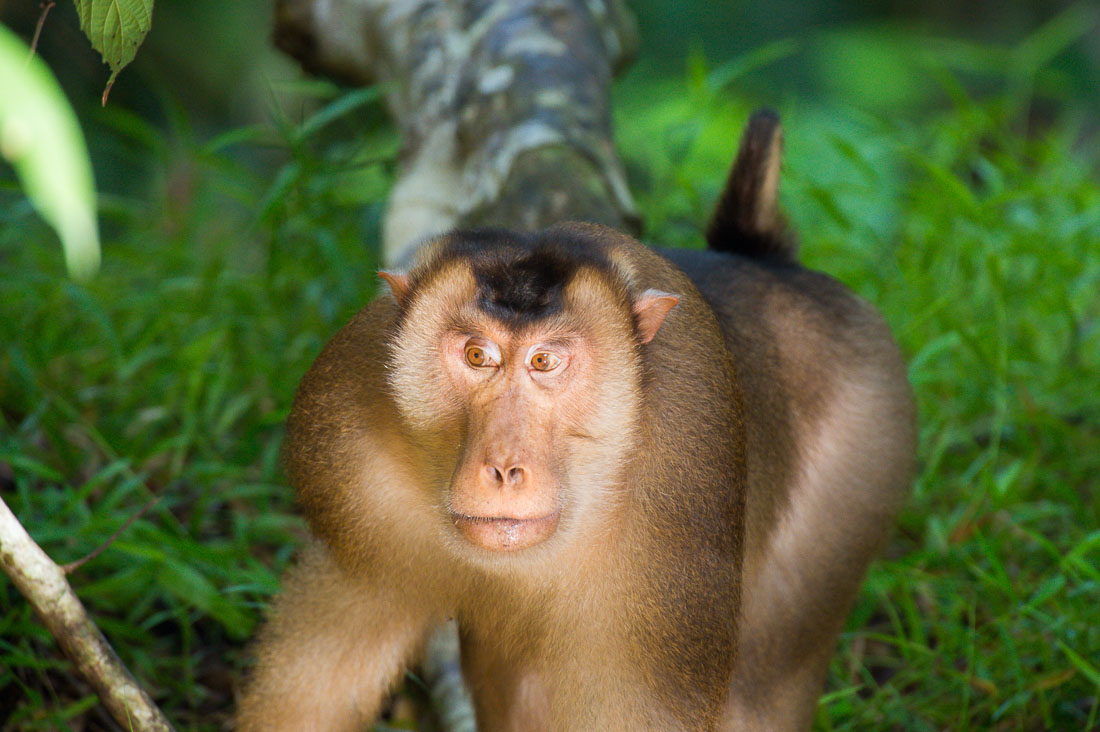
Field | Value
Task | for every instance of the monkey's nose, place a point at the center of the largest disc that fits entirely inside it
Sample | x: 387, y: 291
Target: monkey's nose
x: 504, y: 477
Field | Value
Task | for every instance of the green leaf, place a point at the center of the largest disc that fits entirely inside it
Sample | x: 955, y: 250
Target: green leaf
x: 723, y: 75
x: 190, y: 586
x: 40, y: 136
x: 116, y: 28
x: 336, y: 109
x: 1087, y: 670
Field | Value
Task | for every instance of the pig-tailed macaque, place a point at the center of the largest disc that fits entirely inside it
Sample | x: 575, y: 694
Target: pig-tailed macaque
x: 647, y: 485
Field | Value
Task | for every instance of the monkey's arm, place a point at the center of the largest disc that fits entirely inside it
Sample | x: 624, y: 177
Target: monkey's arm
x: 332, y: 649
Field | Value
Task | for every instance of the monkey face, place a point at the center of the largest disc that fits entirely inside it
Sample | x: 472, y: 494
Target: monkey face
x: 517, y: 370
x: 523, y: 388
x: 503, y: 409
x: 505, y: 493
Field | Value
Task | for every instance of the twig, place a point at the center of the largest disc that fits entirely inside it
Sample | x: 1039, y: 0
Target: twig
x: 43, y: 584
x: 75, y: 565
x: 45, y: 5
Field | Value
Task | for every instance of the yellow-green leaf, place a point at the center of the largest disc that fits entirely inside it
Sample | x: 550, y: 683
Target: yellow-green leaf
x: 116, y: 28
x: 39, y: 134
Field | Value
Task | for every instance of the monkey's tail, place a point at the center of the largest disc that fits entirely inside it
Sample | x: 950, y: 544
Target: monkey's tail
x: 747, y: 220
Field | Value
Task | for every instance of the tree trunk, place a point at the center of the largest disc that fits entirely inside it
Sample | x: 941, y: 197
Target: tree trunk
x: 503, y: 105
x: 504, y: 112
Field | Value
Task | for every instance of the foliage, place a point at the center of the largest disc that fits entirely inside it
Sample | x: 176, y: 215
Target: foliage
x: 40, y: 136
x: 973, y: 224
x: 116, y: 28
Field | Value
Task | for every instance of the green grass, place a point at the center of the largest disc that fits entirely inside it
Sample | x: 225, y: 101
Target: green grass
x: 977, y: 234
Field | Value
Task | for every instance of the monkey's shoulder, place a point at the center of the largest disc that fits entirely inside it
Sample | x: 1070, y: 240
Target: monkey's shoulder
x: 349, y: 372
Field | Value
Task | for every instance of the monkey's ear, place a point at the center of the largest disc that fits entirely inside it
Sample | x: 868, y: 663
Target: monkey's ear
x: 650, y: 310
x: 399, y: 285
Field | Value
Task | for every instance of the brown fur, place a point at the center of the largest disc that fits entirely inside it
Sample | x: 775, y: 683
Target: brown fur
x: 721, y: 487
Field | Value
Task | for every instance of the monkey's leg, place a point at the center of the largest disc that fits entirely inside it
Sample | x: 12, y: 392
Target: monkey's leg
x: 332, y: 649
x: 853, y: 471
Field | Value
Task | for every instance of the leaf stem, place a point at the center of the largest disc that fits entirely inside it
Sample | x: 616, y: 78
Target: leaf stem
x: 45, y: 5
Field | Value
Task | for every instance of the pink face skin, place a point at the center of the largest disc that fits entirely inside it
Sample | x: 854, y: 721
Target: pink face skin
x: 541, y: 415
x: 505, y: 494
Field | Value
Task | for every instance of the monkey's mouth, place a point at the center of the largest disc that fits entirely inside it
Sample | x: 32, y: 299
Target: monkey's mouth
x: 505, y: 534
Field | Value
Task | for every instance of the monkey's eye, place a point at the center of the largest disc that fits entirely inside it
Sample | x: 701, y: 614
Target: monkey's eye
x: 480, y: 356
x: 544, y: 361
x: 476, y: 356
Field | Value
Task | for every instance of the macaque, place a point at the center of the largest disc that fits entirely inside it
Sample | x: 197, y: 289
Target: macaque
x: 645, y: 484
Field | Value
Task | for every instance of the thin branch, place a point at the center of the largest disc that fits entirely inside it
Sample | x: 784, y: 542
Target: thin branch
x: 75, y: 565
x: 43, y: 583
x: 46, y: 5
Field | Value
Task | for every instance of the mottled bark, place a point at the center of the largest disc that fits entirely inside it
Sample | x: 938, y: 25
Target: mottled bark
x: 43, y: 584
x: 503, y: 105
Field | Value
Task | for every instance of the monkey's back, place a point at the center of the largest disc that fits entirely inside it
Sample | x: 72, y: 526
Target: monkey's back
x: 830, y: 430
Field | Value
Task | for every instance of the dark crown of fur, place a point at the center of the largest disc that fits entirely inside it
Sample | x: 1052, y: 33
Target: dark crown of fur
x: 520, y: 277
